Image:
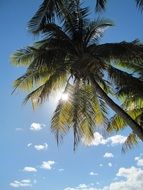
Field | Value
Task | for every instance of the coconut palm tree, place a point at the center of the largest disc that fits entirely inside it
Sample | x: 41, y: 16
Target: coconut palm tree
x: 51, y: 9
x: 70, y: 57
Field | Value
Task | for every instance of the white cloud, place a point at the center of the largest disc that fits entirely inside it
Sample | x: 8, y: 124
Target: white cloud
x: 47, y: 165
x: 93, y: 173
x: 100, y: 165
x: 29, y: 144
x: 108, y: 155
x: 41, y: 146
x: 37, y: 126
x: 110, y: 164
x: 29, y: 169
x: 139, y: 160
x: 131, y: 179
x: 100, y: 140
x: 21, y: 183
x: 116, y: 139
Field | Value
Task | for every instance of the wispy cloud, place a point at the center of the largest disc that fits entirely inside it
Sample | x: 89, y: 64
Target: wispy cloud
x: 93, y: 173
x: 40, y: 147
x: 21, y: 183
x: 47, y: 165
x: 100, y: 140
x: 108, y: 155
x: 29, y: 144
x: 37, y: 126
x: 110, y: 164
x: 139, y: 160
x: 29, y: 169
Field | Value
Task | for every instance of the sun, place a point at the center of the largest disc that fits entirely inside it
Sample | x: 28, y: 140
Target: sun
x: 64, y: 96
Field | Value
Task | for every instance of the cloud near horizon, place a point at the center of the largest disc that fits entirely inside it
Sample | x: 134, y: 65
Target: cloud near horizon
x: 131, y: 179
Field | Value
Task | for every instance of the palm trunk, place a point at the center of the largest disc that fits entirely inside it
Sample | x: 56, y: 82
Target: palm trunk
x: 137, y: 129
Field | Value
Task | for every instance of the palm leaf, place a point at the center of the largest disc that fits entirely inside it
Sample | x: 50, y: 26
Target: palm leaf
x: 95, y: 30
x: 23, y: 57
x: 56, y: 81
x: 130, y: 142
x: 100, y: 5
x: 124, y: 51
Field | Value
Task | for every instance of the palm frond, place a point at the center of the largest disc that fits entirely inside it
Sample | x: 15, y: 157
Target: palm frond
x: 45, y: 13
x: 100, y: 5
x: 123, y: 51
x: 125, y: 82
x: 117, y: 123
x: 139, y: 4
x: 30, y: 79
x: 62, y: 118
x: 56, y: 81
x: 95, y: 30
x: 130, y: 142
x: 23, y: 57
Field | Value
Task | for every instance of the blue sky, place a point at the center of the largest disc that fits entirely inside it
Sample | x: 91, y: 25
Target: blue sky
x: 29, y: 157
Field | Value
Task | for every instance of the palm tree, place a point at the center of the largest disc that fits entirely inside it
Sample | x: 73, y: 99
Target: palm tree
x: 51, y: 9
x: 70, y: 57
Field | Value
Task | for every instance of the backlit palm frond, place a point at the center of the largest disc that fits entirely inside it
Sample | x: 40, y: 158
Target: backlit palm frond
x: 99, y: 109
x: 132, y: 67
x: 56, y: 81
x: 95, y: 30
x: 67, y: 115
x: 23, y: 57
x: 75, y: 22
x: 130, y: 142
x: 140, y: 4
x: 46, y: 13
x: 125, y: 82
x: 55, y: 34
x: 135, y: 103
x: 81, y: 112
x: 62, y: 118
x: 132, y: 52
x: 117, y: 123
x: 132, y: 102
x: 100, y: 5
x: 28, y: 81
x: 101, y: 112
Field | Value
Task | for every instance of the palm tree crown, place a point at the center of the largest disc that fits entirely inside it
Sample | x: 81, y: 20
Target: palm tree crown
x: 70, y: 56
